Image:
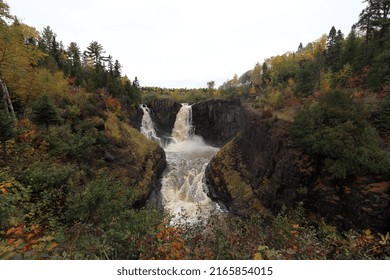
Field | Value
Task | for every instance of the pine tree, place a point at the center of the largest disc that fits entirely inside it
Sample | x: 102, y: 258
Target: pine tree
x: 117, y: 69
x: 350, y: 52
x: 45, y: 113
x: 7, y: 129
x: 46, y: 41
x: 333, y: 49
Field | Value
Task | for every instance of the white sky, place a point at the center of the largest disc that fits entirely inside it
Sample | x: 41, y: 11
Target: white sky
x: 186, y: 43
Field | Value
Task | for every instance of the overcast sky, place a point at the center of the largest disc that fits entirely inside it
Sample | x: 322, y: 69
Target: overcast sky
x: 186, y: 43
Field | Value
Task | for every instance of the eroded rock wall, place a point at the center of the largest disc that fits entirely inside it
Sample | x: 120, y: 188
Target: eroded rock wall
x: 163, y: 113
x: 217, y: 121
x: 260, y: 170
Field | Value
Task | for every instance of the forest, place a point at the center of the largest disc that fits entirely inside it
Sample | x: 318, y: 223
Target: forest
x: 75, y: 174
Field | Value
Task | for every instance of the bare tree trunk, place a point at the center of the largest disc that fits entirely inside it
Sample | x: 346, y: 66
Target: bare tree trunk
x: 7, y: 99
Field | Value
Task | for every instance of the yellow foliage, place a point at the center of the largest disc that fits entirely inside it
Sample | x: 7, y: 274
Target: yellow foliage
x: 258, y: 256
x: 4, y: 186
x: 18, y: 59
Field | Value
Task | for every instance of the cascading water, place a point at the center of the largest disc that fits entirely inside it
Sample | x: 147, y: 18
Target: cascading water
x: 183, y: 185
x: 147, y: 125
x: 183, y: 190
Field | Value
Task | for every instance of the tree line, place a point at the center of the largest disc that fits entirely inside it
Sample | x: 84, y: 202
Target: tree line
x: 359, y: 60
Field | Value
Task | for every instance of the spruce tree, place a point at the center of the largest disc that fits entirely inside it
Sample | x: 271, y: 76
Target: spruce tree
x: 45, y: 113
x: 7, y: 129
x: 333, y: 49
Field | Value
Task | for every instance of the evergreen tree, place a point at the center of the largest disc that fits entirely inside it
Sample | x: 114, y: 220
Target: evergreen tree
x: 350, y: 52
x: 117, y: 69
x: 46, y: 41
x: 74, y: 61
x: 306, y: 77
x: 265, y: 75
x: 94, y: 55
x: 379, y: 71
x: 7, y: 128
x: 136, y: 83
x: 374, y: 20
x: 333, y: 49
x: 300, y: 47
x: 45, y: 113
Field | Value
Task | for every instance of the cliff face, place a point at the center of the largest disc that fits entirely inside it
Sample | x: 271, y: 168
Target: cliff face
x: 259, y: 170
x: 217, y: 121
x: 164, y: 113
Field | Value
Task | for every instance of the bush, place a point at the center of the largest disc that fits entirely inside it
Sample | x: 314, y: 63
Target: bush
x: 110, y: 229
x: 336, y: 131
x: 382, y: 120
x: 78, y: 145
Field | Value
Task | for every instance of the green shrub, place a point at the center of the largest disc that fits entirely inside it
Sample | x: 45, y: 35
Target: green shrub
x: 110, y: 228
x: 73, y: 145
x: 336, y: 131
x: 43, y: 175
x: 382, y: 121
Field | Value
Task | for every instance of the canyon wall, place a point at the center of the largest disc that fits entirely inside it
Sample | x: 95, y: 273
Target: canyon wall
x: 260, y: 170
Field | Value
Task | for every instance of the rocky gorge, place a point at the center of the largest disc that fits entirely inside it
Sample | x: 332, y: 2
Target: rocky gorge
x: 259, y: 170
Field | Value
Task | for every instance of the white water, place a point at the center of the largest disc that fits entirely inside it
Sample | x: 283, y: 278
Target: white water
x: 183, y: 190
x: 147, y: 126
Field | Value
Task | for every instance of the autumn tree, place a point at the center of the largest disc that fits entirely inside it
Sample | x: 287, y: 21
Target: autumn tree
x: 19, y: 56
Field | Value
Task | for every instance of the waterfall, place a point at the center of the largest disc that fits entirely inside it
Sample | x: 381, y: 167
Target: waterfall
x: 183, y: 188
x: 147, y: 125
x: 182, y: 129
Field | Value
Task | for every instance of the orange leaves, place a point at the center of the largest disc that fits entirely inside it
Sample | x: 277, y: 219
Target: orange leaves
x: 113, y: 104
x: 4, y: 186
x: 171, y: 244
x: 23, y: 241
x: 11, y: 241
x: 29, y: 236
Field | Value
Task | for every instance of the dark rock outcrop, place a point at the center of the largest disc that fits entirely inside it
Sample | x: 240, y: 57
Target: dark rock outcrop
x: 259, y: 170
x: 130, y: 156
x: 135, y: 115
x: 217, y: 121
x: 164, y: 113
